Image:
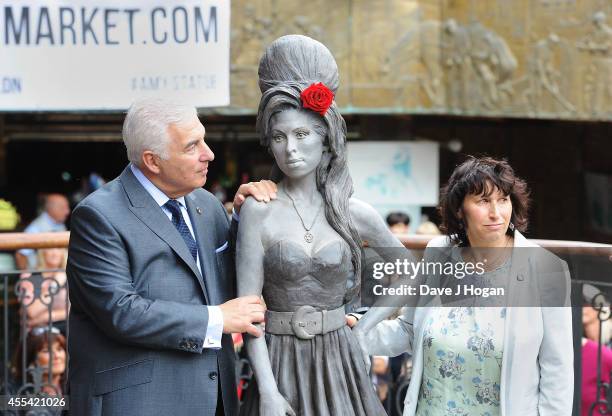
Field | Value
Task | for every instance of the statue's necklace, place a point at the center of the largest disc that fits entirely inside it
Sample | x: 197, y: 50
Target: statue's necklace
x: 308, y: 237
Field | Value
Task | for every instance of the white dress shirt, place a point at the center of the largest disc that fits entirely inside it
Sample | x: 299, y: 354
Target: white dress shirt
x: 214, y: 331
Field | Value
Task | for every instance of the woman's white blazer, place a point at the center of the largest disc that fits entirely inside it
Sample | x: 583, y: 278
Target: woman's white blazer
x: 537, y: 366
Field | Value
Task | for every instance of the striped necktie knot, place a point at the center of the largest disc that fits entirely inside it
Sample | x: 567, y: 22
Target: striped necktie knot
x: 179, y: 222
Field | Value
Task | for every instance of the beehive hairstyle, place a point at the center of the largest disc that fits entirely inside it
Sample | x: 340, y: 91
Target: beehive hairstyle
x: 289, y: 65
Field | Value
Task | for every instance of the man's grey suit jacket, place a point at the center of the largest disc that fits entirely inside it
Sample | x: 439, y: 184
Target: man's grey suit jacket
x: 138, y: 317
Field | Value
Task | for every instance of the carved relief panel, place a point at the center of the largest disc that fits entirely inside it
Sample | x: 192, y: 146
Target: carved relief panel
x: 519, y: 58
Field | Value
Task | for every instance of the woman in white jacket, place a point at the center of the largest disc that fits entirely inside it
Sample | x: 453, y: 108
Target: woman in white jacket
x: 477, y: 360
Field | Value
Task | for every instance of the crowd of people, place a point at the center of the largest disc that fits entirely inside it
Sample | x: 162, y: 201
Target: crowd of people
x: 42, y: 293
x: 39, y: 360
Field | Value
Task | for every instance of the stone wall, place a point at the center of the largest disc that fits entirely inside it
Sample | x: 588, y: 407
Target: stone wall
x: 518, y: 58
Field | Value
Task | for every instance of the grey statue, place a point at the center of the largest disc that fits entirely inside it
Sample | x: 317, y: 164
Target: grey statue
x: 303, y: 250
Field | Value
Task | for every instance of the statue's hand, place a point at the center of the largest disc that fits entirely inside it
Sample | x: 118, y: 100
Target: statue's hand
x: 274, y: 405
x: 361, y: 339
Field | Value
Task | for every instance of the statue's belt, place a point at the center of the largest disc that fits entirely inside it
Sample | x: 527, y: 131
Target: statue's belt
x: 305, y: 322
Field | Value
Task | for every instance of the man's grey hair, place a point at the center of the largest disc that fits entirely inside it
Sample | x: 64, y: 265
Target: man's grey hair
x: 146, y: 126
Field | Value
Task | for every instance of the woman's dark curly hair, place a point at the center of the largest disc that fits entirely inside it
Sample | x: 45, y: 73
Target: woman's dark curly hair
x: 475, y: 176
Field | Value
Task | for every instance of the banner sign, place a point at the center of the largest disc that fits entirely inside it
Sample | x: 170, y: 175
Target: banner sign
x: 101, y: 55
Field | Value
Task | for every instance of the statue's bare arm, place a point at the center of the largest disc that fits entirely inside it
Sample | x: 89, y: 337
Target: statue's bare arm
x: 250, y: 279
x: 373, y: 229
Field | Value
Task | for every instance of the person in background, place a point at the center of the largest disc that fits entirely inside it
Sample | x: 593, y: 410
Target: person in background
x: 592, y: 334
x: 229, y: 208
x: 89, y: 184
x: 398, y: 222
x: 53, y: 290
x: 219, y: 191
x: 428, y: 228
x: 53, y: 219
x: 380, y: 376
x: 45, y: 350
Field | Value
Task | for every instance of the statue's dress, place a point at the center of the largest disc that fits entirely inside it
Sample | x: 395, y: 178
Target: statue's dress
x: 324, y: 375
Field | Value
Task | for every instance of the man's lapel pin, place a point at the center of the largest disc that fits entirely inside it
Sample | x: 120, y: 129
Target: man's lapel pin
x: 199, y: 210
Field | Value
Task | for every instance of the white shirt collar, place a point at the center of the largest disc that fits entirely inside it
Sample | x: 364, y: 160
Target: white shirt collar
x: 158, y: 195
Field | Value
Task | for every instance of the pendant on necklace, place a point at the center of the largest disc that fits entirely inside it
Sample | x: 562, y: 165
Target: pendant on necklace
x: 308, y: 237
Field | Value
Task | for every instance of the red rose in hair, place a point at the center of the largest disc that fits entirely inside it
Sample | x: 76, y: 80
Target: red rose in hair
x: 317, y: 98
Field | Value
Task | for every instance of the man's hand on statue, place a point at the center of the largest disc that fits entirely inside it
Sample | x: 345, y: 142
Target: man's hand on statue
x: 263, y: 190
x: 240, y: 314
x: 274, y: 405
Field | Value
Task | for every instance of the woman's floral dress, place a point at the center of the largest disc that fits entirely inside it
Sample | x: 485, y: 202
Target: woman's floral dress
x: 462, y: 358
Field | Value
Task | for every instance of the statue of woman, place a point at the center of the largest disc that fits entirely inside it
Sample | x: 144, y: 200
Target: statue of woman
x: 303, y: 250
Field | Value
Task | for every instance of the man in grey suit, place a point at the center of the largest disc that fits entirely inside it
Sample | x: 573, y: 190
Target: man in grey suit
x: 150, y: 272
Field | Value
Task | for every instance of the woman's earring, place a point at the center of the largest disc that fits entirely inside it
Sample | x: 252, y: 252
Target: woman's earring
x: 511, y: 226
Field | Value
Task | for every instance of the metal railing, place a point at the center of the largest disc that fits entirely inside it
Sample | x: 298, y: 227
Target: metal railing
x: 30, y: 342
x: 28, y: 339
x: 603, y: 404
